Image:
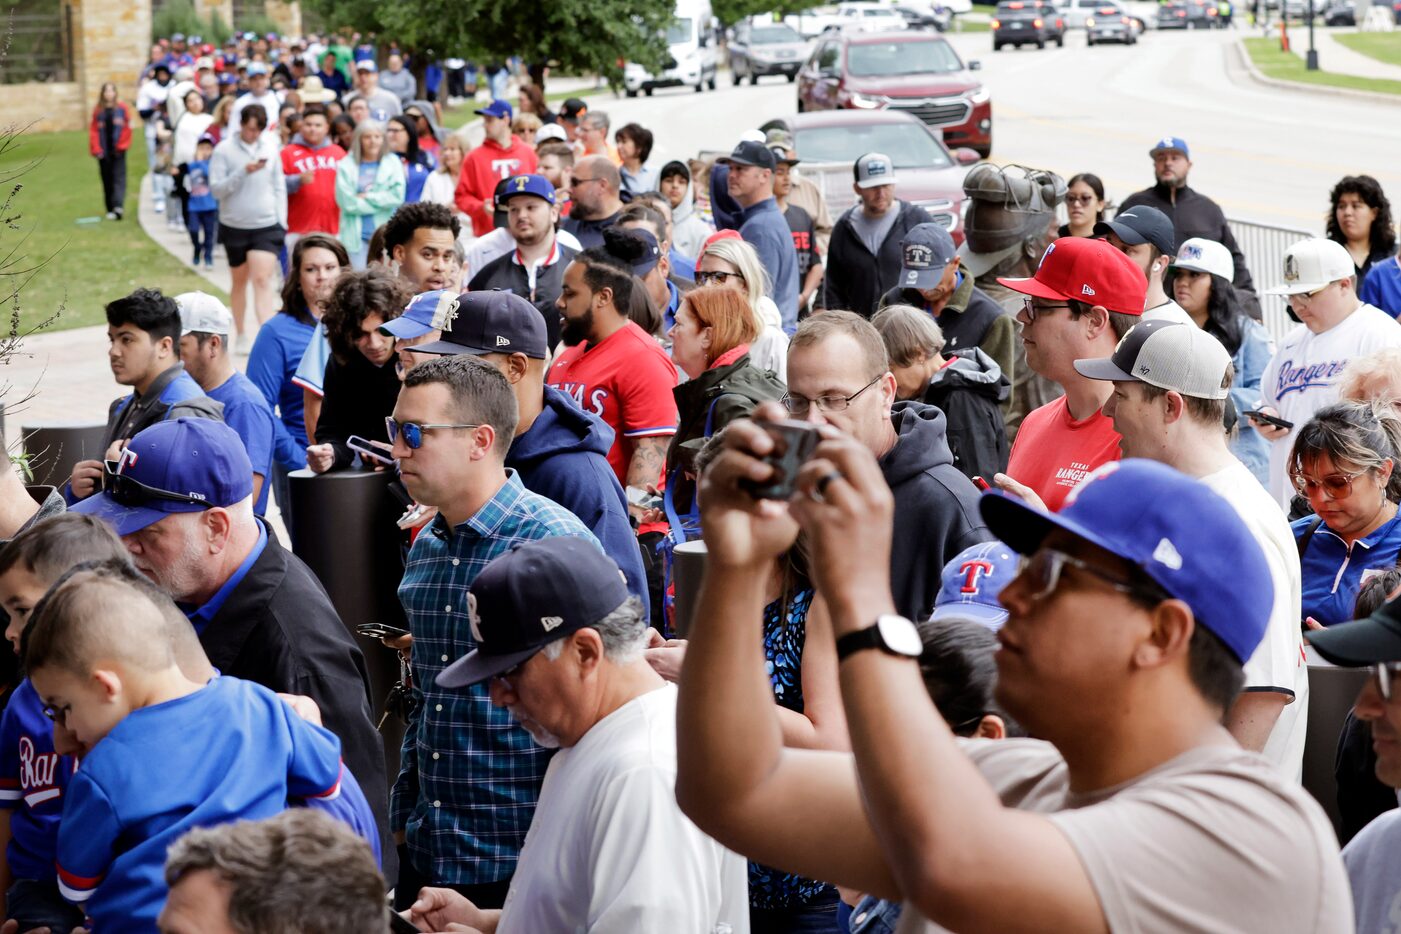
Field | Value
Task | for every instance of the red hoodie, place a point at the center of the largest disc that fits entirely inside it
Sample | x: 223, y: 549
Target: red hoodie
x: 482, y: 170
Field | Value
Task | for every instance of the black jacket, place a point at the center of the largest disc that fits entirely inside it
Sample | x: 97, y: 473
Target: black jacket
x: 936, y: 507
x: 589, y: 233
x: 855, y: 280
x: 358, y: 397
x: 970, y: 319
x: 278, y: 628
x: 969, y: 392
x: 505, y: 273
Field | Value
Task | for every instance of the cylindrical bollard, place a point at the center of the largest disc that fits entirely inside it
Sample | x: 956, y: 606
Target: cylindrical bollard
x: 687, y: 572
x: 54, y: 449
x: 343, y: 528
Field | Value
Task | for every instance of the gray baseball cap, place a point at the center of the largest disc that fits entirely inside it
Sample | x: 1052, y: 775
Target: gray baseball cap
x: 925, y: 253
x: 1166, y: 354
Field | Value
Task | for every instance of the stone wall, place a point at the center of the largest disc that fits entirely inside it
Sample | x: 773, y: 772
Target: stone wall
x: 44, y: 108
x: 287, y: 14
x: 110, y: 43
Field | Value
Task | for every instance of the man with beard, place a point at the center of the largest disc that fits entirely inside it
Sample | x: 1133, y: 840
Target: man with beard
x: 595, y: 201
x: 534, y: 270
x: 612, y: 367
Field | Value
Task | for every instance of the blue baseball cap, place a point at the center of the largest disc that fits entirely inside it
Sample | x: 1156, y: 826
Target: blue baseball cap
x: 497, y: 108
x: 971, y: 583
x: 532, y: 595
x: 428, y: 311
x: 257, y: 68
x: 1185, y: 537
x: 1170, y: 142
x: 185, y: 465
x: 925, y: 253
x: 537, y: 185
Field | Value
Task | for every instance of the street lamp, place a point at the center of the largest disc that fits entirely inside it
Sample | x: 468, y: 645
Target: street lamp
x: 1311, y: 60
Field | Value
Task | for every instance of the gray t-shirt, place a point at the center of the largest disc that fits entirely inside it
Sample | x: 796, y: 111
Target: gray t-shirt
x: 1197, y: 844
x: 1373, y: 860
x: 874, y: 230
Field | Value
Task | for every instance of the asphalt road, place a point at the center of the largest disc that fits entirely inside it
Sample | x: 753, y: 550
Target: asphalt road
x: 1264, y: 154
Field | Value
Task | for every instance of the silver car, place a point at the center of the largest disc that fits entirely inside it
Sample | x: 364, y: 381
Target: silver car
x: 758, y: 49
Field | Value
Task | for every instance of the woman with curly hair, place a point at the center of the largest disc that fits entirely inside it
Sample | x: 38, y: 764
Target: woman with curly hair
x: 1360, y: 219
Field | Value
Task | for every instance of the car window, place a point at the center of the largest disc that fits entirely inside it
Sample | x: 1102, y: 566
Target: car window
x: 881, y: 59
x: 909, y: 145
x: 769, y: 34
x: 827, y: 58
x: 679, y: 31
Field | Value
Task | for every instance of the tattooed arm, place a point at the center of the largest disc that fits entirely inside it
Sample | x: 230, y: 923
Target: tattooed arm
x: 648, y: 461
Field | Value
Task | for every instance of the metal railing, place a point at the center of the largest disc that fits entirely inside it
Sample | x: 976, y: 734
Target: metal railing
x: 1263, y: 246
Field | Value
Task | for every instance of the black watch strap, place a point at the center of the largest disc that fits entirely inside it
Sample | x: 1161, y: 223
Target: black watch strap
x: 861, y: 639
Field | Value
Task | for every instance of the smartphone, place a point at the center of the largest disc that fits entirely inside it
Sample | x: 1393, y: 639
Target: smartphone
x: 368, y: 451
x: 380, y: 631
x: 1274, y: 420
x: 794, y: 443
x: 981, y: 484
x: 398, y: 924
x: 640, y: 497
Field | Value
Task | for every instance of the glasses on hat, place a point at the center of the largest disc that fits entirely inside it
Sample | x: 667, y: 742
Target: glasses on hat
x: 716, y: 278
x: 1044, y: 568
x: 413, y: 431
x: 799, y: 405
x: 1385, y: 675
x: 1336, y: 485
x: 128, y: 491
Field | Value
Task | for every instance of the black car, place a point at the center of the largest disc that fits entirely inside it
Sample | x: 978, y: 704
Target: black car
x: 1109, y: 23
x: 1173, y: 16
x: 1340, y: 13
x: 1021, y: 22
x: 759, y: 49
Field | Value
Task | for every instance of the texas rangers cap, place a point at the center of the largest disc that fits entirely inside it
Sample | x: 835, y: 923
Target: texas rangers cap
x: 1142, y: 224
x: 749, y: 152
x: 971, y: 583
x: 1089, y: 271
x: 183, y: 465
x: 203, y: 313
x: 497, y: 108
x: 427, y: 311
x: 1369, y: 641
x: 537, y: 185
x: 1187, y: 539
x: 925, y: 253
x: 491, y: 321
x: 1166, y: 354
x: 873, y: 170
x: 1201, y: 255
x: 1312, y: 264
x: 1170, y: 142
x: 532, y: 595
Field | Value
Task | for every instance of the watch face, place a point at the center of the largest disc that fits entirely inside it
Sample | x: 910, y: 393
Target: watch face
x: 900, y: 635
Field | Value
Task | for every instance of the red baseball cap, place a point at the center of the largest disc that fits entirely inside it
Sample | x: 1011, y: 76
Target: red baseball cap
x: 1089, y: 271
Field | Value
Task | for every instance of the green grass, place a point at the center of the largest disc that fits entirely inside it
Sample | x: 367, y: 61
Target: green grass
x: 84, y: 265
x: 1287, y: 66
x: 464, y: 113
x: 1383, y: 46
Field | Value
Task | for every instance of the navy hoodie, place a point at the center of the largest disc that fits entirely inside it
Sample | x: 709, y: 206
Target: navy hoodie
x: 564, y: 457
x: 936, y: 507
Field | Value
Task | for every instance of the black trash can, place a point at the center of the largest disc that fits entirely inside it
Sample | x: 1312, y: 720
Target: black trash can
x: 54, y: 449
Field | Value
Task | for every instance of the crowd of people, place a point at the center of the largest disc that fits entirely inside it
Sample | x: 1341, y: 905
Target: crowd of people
x: 1017, y: 551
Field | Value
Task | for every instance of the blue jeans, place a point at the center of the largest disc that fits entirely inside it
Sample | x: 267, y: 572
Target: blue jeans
x: 203, y: 228
x: 37, y: 905
x: 818, y: 917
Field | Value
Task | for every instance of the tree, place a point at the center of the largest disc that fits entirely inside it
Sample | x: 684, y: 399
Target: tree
x: 587, y: 36
x: 729, y: 12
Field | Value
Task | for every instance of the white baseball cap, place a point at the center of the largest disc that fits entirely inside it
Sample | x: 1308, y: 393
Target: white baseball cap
x: 551, y: 131
x: 1309, y: 265
x: 1201, y: 255
x: 202, y: 312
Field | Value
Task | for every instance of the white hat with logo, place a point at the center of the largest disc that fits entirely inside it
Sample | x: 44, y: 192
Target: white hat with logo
x: 1312, y: 264
x: 1201, y: 255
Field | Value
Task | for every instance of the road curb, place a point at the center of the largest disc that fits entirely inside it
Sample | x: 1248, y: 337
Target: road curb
x: 1261, y: 79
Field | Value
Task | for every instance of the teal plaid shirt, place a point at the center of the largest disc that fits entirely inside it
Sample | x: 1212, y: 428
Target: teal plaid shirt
x: 468, y: 775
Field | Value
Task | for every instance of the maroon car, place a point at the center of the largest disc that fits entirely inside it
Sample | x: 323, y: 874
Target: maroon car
x: 926, y: 173
x: 916, y: 72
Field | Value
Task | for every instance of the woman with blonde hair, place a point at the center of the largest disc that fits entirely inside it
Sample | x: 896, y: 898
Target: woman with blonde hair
x: 442, y: 183
x: 370, y: 186
x: 726, y: 260
x: 1375, y: 377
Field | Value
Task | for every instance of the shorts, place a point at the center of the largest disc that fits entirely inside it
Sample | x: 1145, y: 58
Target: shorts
x: 238, y: 241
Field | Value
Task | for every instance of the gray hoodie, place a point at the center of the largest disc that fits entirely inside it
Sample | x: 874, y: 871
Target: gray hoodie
x: 248, y: 200
x: 688, y: 231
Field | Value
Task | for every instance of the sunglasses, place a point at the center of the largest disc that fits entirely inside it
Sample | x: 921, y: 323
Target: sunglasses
x: 1044, y: 569
x: 1079, y: 199
x: 1336, y: 485
x: 413, y: 431
x: 128, y: 491
x: 1385, y: 675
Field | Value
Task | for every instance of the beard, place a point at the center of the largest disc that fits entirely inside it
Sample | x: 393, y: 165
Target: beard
x: 576, y: 330
x: 542, y: 736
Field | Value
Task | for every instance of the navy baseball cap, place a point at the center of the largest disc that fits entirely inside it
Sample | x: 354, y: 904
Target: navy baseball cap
x: 537, y: 185
x: 1142, y: 224
x: 1369, y: 641
x: 532, y: 595
x: 429, y: 311
x: 750, y: 152
x: 185, y: 465
x: 1186, y: 538
x: 925, y: 253
x: 497, y: 108
x: 971, y: 583
x: 492, y: 321
x: 572, y: 109
x: 652, y: 251
x: 1170, y: 142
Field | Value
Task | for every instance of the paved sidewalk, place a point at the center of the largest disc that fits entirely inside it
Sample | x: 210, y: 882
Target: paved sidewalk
x: 1334, y: 56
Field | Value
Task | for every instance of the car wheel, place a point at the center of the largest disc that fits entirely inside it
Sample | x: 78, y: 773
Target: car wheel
x: 700, y: 87
x: 997, y: 46
x: 1041, y: 43
x: 631, y: 93
x: 711, y: 82
x: 793, y: 77
x: 647, y: 91
x: 1060, y: 41
x: 753, y: 80
x: 801, y: 108
x: 1089, y: 41
x: 736, y: 77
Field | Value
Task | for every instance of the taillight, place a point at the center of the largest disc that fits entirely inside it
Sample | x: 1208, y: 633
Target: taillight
x: 1124, y: 20
x: 1037, y: 23
x: 997, y: 24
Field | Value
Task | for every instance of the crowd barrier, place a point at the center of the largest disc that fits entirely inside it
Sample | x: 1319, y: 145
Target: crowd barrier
x: 1263, y: 246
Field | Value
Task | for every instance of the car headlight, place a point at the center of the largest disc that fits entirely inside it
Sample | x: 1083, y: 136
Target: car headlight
x: 867, y: 102
x: 980, y: 95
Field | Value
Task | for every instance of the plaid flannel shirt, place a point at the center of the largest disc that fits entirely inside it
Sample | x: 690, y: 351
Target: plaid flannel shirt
x: 469, y: 776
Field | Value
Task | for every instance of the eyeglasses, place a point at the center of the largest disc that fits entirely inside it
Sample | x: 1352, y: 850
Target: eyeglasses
x: 575, y: 181
x: 508, y: 677
x: 706, y: 278
x: 1384, y: 674
x: 799, y: 405
x: 1032, y: 312
x: 1303, y: 298
x: 1079, y: 199
x: 59, y: 715
x: 413, y: 432
x: 1336, y: 485
x: 128, y: 491
x: 1045, y: 566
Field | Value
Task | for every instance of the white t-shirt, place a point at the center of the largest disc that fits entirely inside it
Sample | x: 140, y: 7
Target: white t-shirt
x: 1302, y: 376
x: 1201, y: 843
x: 1278, y: 662
x: 609, y: 849
x: 1374, y: 867
x: 1168, y: 311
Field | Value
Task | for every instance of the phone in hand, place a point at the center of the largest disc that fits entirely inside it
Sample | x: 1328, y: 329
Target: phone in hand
x: 1274, y: 420
x: 380, y: 631
x: 368, y: 451
x: 640, y: 497
x: 981, y: 484
x: 794, y: 442
x: 398, y: 924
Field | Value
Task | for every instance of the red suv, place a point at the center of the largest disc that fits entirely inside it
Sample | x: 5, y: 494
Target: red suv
x: 915, y: 72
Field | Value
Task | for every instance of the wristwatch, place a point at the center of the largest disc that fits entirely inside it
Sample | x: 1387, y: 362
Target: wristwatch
x: 889, y: 633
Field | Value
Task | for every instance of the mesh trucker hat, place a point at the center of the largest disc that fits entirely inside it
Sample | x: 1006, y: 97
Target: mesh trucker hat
x: 1166, y: 354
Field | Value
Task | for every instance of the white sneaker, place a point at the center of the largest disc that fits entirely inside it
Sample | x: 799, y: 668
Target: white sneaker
x: 160, y: 207
x: 111, y: 215
x: 242, y: 345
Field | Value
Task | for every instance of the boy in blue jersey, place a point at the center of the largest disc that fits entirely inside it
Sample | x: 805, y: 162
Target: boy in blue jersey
x: 166, y: 753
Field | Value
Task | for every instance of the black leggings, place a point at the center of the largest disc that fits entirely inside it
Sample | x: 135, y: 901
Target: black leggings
x: 113, y: 171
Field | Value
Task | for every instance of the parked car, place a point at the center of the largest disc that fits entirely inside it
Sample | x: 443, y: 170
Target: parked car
x: 1109, y: 23
x: 926, y: 173
x: 925, y: 15
x: 758, y: 49
x: 869, y: 15
x: 1077, y: 11
x: 1172, y: 16
x: 691, y: 58
x: 1340, y: 13
x: 916, y: 72
x: 1019, y: 22
x: 1203, y: 14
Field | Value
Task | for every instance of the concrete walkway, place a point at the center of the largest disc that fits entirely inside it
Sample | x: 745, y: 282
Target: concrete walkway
x: 1335, y: 57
